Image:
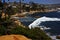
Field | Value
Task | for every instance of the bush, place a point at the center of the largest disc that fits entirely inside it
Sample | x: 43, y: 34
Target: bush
x: 2, y: 30
x: 35, y: 34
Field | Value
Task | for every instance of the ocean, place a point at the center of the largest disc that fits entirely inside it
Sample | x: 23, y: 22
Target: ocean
x: 54, y: 25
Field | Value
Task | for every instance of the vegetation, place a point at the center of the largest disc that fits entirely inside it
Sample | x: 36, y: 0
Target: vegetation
x: 10, y: 11
x: 34, y: 6
x: 35, y: 34
x: 1, y: 5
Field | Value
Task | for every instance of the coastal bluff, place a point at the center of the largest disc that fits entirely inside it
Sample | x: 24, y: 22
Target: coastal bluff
x: 13, y: 37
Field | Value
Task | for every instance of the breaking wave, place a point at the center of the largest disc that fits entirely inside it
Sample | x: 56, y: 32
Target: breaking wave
x: 38, y: 21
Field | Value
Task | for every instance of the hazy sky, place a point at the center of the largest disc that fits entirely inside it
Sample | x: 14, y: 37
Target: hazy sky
x: 40, y: 1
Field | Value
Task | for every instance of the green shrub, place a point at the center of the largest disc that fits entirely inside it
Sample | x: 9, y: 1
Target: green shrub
x: 35, y: 34
x: 2, y: 30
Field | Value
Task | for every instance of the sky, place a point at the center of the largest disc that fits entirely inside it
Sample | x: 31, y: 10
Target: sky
x: 39, y: 1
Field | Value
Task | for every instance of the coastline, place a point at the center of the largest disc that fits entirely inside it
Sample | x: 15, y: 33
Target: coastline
x: 23, y: 14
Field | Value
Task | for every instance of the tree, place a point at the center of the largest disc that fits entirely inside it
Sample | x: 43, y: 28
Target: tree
x: 42, y: 7
x: 33, y: 6
x: 10, y: 11
x: 1, y: 8
x: 1, y: 5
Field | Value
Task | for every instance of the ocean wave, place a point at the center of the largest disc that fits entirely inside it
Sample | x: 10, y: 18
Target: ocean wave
x: 38, y: 21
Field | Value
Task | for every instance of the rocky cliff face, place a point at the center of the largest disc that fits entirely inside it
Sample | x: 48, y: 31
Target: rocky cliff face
x: 13, y: 37
x: 17, y: 22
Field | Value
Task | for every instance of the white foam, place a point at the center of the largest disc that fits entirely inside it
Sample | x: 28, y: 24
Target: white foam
x: 40, y: 20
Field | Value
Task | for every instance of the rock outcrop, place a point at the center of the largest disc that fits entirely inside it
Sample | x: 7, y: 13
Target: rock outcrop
x: 14, y: 37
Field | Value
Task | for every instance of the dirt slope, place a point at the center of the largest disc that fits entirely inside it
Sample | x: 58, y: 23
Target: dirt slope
x: 14, y: 37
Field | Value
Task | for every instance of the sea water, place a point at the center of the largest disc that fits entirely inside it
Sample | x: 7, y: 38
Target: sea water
x: 54, y: 25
